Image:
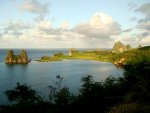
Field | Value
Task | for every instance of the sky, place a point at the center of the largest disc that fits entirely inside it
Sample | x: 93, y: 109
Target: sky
x: 74, y: 23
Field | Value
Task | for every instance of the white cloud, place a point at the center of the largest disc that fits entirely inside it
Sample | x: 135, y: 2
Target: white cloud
x: 18, y: 25
x: 65, y: 25
x: 100, y: 26
x: 145, y: 9
x: 144, y: 23
x: 146, y: 40
x: 95, y: 33
x: 132, y: 5
x: 34, y: 6
x: 45, y: 24
x: 99, y: 20
x: 127, y: 30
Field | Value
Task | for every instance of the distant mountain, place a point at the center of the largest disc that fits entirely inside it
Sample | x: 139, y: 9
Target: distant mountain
x: 120, y: 47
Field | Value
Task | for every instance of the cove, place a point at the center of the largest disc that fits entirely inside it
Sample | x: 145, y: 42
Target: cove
x: 40, y: 75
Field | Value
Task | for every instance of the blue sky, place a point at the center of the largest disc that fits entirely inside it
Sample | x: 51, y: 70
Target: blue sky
x: 73, y: 23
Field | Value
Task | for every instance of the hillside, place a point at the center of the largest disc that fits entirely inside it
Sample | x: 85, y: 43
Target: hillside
x: 133, y: 55
x: 145, y: 48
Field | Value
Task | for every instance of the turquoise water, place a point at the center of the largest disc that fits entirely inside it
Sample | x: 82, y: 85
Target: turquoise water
x: 40, y: 75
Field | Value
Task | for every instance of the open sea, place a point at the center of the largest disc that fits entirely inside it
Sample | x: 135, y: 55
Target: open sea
x: 39, y: 75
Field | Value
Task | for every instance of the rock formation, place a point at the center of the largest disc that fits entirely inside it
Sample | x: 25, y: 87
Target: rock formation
x: 16, y: 59
x: 120, y: 47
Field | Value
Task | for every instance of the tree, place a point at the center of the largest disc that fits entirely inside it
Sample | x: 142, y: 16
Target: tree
x: 60, y: 95
x: 92, y: 95
x: 23, y: 94
x: 137, y: 79
x: 130, y: 108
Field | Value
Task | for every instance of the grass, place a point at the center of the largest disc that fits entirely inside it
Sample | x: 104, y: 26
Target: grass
x: 105, y: 56
x: 102, y: 55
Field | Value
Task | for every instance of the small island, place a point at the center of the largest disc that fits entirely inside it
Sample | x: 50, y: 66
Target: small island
x: 17, y: 59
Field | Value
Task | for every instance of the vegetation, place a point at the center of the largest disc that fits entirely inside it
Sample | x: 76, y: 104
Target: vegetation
x: 130, y: 108
x: 119, y: 59
x: 25, y: 100
x: 55, y: 57
x: 103, y: 55
x: 133, y: 55
x: 16, y: 59
x: 23, y: 94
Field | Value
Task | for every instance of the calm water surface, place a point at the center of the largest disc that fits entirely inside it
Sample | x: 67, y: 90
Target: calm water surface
x: 40, y: 75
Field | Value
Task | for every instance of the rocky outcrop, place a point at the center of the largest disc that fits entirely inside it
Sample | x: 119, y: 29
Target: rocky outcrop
x: 16, y: 59
x: 120, y: 47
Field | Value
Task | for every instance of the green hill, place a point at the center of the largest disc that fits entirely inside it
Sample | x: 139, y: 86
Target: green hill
x: 145, y: 48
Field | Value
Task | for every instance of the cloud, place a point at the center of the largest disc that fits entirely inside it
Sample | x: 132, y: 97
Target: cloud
x: 1, y: 35
x: 146, y: 40
x: 132, y: 5
x: 100, y: 26
x: 145, y: 34
x: 144, y: 24
x: 64, y: 25
x: 97, y: 32
x: 19, y: 25
x: 44, y: 31
x: 127, y: 30
x: 39, y: 18
x: 144, y: 9
x: 15, y: 30
x: 16, y: 33
x: 44, y: 24
x: 34, y: 6
x: 133, y: 19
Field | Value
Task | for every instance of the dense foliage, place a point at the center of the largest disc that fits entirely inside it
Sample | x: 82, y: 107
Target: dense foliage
x: 23, y: 94
x: 133, y: 55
